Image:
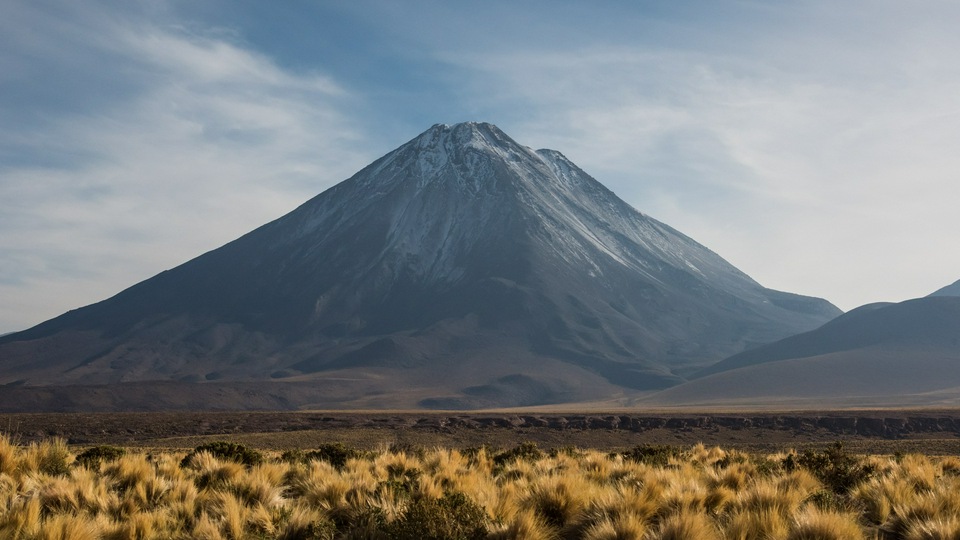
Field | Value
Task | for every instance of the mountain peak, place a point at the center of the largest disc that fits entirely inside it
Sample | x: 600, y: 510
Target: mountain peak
x: 456, y: 262
x: 456, y: 138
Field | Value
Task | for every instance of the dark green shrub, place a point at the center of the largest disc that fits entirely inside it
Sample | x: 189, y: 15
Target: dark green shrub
x: 292, y: 456
x: 452, y: 517
x: 404, y: 484
x: 571, y: 451
x: 653, y: 455
x: 825, y: 499
x: 335, y: 454
x: 526, y: 451
x: 414, y: 450
x: 91, y: 458
x: 837, y: 469
x: 226, y: 451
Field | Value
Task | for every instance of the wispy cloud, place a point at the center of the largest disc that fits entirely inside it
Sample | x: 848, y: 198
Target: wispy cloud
x: 206, y: 141
x: 818, y: 162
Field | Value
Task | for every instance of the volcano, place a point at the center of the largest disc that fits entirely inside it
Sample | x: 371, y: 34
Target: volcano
x: 461, y: 270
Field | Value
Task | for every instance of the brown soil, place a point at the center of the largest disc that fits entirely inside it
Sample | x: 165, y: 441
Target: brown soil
x: 873, y: 432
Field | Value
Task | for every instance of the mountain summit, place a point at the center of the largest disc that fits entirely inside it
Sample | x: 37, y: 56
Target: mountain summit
x: 459, y: 270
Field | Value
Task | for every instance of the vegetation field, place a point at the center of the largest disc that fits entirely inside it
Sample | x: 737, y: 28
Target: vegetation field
x: 223, y: 490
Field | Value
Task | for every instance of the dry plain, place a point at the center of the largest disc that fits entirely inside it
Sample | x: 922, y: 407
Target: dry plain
x: 929, y: 431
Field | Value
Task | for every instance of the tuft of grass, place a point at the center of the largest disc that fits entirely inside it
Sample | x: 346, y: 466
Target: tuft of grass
x: 50, y: 457
x: 815, y: 524
x: 687, y: 526
x: 526, y: 525
x: 8, y: 456
x: 939, y: 528
x: 765, y: 523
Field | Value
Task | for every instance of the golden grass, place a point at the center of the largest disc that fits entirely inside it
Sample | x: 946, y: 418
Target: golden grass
x: 697, y: 493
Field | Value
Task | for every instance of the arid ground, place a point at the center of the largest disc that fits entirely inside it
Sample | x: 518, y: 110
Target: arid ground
x: 934, y: 432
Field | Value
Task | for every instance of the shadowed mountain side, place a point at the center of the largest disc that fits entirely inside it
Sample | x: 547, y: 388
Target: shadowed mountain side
x: 879, y: 354
x: 924, y: 323
x: 461, y: 260
x: 394, y: 387
x: 870, y: 377
x: 949, y: 290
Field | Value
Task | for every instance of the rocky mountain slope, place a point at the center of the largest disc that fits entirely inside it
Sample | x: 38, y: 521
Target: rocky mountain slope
x: 460, y: 270
x: 904, y: 354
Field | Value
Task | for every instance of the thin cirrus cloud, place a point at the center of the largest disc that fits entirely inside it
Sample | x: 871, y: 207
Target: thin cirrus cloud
x: 823, y: 169
x: 202, y: 141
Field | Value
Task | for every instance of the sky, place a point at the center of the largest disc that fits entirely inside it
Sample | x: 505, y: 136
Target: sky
x: 813, y: 144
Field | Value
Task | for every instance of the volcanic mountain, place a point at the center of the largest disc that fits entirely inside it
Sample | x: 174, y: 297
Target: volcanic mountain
x: 459, y: 270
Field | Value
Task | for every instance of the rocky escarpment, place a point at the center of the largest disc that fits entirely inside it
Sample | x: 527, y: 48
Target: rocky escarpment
x: 80, y: 428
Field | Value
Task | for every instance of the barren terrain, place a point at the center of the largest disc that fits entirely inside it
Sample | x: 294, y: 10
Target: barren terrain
x: 867, y: 431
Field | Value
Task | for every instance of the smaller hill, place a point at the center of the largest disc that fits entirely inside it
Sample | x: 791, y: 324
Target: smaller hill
x: 876, y: 355
x: 949, y: 290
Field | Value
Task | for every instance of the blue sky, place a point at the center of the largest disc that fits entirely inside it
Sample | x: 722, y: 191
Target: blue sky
x: 812, y: 144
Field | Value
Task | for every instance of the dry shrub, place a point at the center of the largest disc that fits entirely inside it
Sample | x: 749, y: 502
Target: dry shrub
x: 767, y: 523
x: 261, y: 485
x: 51, y: 457
x: 815, y: 524
x: 940, y: 528
x: 950, y: 465
x: 735, y: 476
x: 22, y: 519
x: 8, y: 456
x: 919, y: 471
x: 766, y: 494
x: 557, y: 500
x: 525, y: 525
x: 621, y: 527
x: 622, y: 509
x: 69, y: 527
x: 206, y: 529
x: 687, y: 526
x: 875, y: 500
x: 306, y: 524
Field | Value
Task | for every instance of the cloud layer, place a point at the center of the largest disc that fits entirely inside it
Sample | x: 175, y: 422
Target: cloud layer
x: 204, y: 141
